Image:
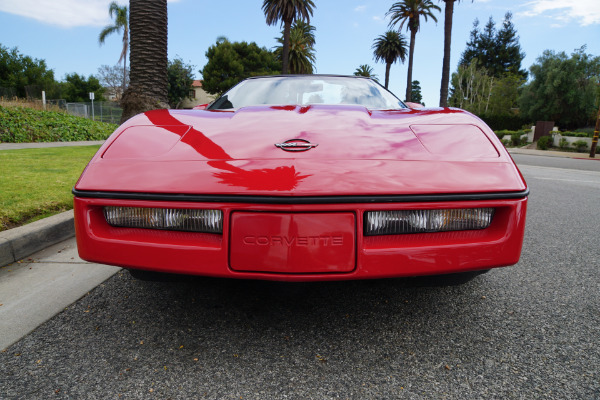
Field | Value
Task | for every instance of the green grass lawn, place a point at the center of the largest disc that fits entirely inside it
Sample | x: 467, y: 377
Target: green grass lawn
x: 36, y: 183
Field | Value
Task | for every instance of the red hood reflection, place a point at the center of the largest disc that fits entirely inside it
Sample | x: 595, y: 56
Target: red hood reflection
x: 359, y: 152
x: 283, y: 178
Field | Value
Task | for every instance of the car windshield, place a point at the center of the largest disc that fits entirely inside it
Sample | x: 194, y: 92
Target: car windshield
x: 307, y: 90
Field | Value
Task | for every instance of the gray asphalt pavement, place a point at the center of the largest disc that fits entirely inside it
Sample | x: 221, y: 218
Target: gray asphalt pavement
x: 523, y: 332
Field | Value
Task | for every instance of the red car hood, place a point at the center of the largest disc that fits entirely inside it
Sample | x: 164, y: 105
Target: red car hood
x: 358, y: 152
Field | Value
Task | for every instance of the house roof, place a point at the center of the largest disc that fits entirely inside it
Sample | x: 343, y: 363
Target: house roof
x: 197, y: 83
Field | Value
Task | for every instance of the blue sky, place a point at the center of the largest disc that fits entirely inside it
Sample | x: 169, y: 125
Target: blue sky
x: 65, y: 33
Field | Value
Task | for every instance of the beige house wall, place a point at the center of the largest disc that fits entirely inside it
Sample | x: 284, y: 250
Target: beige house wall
x: 201, y: 97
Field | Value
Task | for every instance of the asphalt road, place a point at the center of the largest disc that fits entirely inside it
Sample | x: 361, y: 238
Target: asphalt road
x: 523, y: 332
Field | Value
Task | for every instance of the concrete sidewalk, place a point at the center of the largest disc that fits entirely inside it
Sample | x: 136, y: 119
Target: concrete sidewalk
x: 15, y: 146
x: 552, y: 153
x: 36, y: 289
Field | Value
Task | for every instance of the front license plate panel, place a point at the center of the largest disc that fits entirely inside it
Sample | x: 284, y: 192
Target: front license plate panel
x: 293, y: 242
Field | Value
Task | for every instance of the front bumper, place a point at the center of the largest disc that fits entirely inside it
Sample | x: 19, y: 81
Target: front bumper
x: 374, y: 256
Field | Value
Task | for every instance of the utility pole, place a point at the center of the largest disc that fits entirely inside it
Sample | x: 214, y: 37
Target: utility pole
x: 595, y: 138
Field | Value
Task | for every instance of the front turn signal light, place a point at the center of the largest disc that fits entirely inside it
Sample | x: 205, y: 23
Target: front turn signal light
x: 175, y: 219
x: 421, y: 221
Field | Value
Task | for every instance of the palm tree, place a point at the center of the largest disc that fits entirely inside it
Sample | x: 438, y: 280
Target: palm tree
x: 148, y: 76
x: 301, y: 57
x: 365, y: 70
x: 410, y: 12
x: 120, y: 23
x: 287, y: 11
x: 448, y: 11
x: 389, y: 48
x: 307, y: 31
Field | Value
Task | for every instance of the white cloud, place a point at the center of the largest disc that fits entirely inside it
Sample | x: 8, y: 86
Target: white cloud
x: 360, y: 8
x: 586, y: 12
x: 63, y: 13
x: 379, y: 19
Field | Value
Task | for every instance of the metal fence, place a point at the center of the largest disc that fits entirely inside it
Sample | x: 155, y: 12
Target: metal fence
x: 7, y: 92
x: 105, y: 111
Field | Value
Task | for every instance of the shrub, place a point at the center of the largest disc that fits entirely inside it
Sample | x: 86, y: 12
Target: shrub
x: 515, y: 139
x: 580, y: 145
x: 515, y: 136
x: 21, y: 124
x: 502, y: 133
x: 589, y: 131
x: 563, y: 143
x: 544, y: 142
x: 577, y: 134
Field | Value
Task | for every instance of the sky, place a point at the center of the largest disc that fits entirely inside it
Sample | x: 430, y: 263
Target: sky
x: 65, y: 33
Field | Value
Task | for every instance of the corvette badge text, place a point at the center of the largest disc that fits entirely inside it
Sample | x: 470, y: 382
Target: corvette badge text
x: 290, y: 241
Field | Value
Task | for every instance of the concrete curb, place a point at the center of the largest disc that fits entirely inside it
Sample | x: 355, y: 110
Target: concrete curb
x: 21, y: 242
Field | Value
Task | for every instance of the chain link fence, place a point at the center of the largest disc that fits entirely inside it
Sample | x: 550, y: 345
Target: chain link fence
x: 105, y: 111
x: 7, y: 92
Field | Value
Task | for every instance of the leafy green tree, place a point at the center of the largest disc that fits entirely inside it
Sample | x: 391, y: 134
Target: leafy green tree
x: 18, y: 71
x: 505, y: 95
x: 148, y: 41
x: 410, y: 12
x: 389, y: 48
x: 121, y: 23
x: 229, y: 63
x: 489, y: 74
x: 180, y: 77
x: 448, y: 12
x: 563, y: 89
x: 472, y: 87
x: 416, y: 96
x: 78, y: 88
x: 499, y: 52
x: 365, y: 70
x: 287, y: 11
x: 476, y: 90
x: 301, y: 57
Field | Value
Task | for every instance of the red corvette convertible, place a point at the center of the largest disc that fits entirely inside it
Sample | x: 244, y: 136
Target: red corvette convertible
x: 302, y: 178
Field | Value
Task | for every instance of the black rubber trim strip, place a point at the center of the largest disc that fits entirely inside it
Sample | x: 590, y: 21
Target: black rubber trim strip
x: 301, y: 199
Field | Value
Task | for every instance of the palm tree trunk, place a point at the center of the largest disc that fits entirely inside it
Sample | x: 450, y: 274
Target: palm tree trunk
x: 449, y: 10
x: 148, y: 58
x: 413, y: 35
x: 124, y: 75
x: 286, y: 47
x: 388, y: 66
